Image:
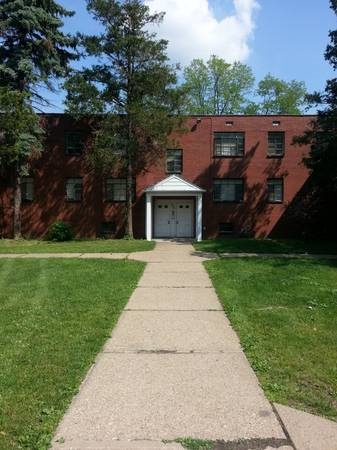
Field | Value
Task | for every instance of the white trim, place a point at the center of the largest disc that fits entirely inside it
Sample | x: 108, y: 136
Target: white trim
x: 173, y: 183
x: 148, y: 216
x: 198, y: 218
x: 174, y: 186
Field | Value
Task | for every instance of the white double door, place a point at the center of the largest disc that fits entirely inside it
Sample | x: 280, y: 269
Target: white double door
x: 173, y: 218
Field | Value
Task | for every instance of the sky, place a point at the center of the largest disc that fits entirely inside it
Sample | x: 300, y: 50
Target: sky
x: 286, y: 38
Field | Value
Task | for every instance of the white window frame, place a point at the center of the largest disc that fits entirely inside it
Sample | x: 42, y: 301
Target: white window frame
x: 174, y: 160
x: 276, y: 143
x: 275, y: 190
x: 229, y: 144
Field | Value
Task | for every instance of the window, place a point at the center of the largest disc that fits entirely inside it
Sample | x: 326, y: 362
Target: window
x: 174, y: 161
x: 275, y: 190
x: 225, y: 228
x: 228, y: 190
x: 74, y: 189
x: 276, y: 143
x: 115, y: 190
x: 27, y: 189
x: 108, y: 229
x: 74, y: 143
x: 229, y: 144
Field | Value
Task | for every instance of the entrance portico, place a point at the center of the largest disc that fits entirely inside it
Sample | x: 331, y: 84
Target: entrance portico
x: 174, y: 209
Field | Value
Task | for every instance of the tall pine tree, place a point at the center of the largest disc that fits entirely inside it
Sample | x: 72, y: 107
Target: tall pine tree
x: 322, y: 158
x: 33, y: 53
x: 131, y: 87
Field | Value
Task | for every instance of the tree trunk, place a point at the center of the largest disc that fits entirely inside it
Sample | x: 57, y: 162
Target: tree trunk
x: 17, y: 203
x: 129, y: 201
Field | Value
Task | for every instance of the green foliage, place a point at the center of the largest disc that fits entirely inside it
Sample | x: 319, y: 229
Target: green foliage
x: 21, y: 133
x: 33, y: 51
x: 281, y: 97
x: 32, y: 46
x: 60, y: 231
x: 195, y: 444
x: 323, y: 134
x: 216, y: 87
x: 322, y: 158
x: 131, y: 86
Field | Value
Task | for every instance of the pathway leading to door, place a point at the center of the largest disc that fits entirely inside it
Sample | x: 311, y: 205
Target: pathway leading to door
x: 173, y: 368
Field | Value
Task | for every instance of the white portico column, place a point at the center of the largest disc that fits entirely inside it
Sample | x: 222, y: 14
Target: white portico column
x: 148, y: 225
x: 198, y: 217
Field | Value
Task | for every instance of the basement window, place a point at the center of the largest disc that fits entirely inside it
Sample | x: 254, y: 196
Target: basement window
x: 225, y: 228
x: 108, y: 229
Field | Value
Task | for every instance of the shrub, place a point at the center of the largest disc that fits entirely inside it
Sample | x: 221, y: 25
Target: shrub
x: 60, y: 231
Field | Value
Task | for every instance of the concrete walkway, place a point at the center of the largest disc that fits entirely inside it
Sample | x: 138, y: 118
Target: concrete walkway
x: 173, y: 368
x: 153, y: 256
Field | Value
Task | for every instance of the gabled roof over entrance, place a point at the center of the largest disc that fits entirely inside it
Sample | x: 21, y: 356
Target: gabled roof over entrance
x: 174, y: 183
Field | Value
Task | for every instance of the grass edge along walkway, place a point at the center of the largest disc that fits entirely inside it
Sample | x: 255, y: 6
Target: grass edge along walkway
x: 267, y: 246
x: 25, y: 246
x: 55, y: 316
x: 284, y: 311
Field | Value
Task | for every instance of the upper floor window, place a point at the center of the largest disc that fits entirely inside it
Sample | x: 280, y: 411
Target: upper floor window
x: 115, y: 189
x: 174, y: 161
x: 27, y: 189
x: 275, y: 143
x: 275, y: 190
x: 74, y: 189
x: 229, y: 144
x: 228, y: 190
x: 74, y: 143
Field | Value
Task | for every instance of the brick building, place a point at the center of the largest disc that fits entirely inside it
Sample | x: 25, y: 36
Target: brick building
x: 227, y: 175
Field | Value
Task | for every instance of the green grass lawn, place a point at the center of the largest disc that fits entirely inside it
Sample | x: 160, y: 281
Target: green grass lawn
x: 237, y: 245
x: 285, y: 312
x: 55, y: 316
x: 77, y: 246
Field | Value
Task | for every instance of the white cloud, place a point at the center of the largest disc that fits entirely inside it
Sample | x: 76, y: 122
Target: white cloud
x: 193, y: 31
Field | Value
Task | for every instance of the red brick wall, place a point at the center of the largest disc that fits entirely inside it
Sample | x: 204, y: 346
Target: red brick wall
x: 199, y: 166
